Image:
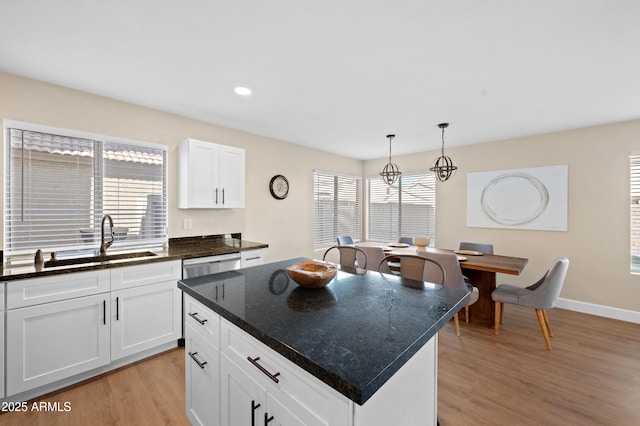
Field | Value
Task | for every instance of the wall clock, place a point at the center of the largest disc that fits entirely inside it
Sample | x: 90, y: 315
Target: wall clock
x: 279, y: 187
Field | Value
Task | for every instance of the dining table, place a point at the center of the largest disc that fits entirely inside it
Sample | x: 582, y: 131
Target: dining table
x: 480, y: 270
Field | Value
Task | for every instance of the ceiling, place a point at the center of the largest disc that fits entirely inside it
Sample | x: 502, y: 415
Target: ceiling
x: 340, y: 75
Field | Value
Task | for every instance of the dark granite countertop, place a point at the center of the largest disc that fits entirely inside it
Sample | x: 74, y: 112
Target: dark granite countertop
x: 178, y: 249
x: 354, y: 334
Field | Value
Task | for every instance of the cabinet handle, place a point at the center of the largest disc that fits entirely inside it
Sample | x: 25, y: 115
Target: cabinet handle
x: 252, y: 258
x: 117, y: 309
x: 254, y: 407
x: 267, y: 419
x: 193, y: 357
x: 193, y: 315
x: 216, y: 195
x: 222, y: 195
x: 255, y: 360
x: 104, y: 312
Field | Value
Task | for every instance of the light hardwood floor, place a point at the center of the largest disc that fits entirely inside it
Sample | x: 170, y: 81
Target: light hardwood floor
x: 591, y: 377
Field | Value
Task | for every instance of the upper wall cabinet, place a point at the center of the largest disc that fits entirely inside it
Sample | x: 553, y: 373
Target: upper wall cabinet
x: 210, y: 176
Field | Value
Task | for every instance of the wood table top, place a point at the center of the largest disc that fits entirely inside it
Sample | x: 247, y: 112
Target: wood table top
x: 486, y: 262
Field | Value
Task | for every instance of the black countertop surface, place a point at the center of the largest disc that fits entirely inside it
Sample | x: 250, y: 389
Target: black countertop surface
x: 354, y: 334
x: 177, y: 249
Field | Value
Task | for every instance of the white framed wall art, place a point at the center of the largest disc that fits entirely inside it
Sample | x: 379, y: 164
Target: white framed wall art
x: 529, y: 198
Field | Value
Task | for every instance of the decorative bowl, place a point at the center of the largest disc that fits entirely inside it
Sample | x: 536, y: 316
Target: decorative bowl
x: 312, y: 273
x: 420, y: 242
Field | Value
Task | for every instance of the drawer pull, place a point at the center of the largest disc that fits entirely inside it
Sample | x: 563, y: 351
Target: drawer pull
x: 194, y: 316
x: 193, y: 357
x: 253, y: 258
x: 254, y: 407
x: 255, y: 360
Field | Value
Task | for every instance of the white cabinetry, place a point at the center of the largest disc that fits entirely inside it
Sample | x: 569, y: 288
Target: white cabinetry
x: 260, y: 385
x: 66, y: 336
x: 251, y: 258
x: 64, y: 328
x: 202, y: 364
x: 210, y: 175
x: 145, y: 307
x: 232, y: 379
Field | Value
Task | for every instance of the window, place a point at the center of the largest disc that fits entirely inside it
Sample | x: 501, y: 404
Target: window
x: 59, y: 184
x: 336, y: 207
x: 635, y: 211
x: 405, y: 209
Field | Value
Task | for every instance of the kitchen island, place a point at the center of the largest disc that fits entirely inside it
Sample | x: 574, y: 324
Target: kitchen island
x: 360, y: 351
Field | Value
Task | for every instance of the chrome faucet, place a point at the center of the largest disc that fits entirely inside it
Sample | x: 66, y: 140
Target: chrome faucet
x: 104, y: 246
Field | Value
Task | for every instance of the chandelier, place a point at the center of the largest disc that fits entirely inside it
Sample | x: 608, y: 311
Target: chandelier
x: 443, y: 166
x: 390, y: 173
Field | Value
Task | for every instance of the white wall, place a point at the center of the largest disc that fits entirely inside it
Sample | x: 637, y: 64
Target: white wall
x: 286, y: 225
x: 597, y: 242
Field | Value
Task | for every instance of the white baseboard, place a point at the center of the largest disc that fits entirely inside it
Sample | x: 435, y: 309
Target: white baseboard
x: 599, y: 310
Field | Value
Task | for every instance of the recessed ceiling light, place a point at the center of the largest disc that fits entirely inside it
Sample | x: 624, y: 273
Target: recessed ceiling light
x: 242, y: 91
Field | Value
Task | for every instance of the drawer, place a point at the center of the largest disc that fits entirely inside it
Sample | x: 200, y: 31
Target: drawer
x: 295, y: 386
x: 148, y: 273
x: 202, y: 319
x: 251, y: 258
x: 35, y: 291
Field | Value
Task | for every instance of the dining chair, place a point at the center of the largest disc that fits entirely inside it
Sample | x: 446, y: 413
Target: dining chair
x: 415, y: 267
x: 350, y: 256
x: 374, y: 257
x: 406, y: 240
x: 454, y: 277
x: 540, y: 296
x: 482, y: 248
x: 344, y: 240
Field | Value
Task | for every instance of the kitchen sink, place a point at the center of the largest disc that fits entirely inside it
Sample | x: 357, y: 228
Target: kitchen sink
x: 98, y: 258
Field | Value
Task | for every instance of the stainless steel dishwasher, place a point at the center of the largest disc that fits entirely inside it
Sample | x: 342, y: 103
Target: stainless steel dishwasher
x: 210, y: 265
x: 200, y: 266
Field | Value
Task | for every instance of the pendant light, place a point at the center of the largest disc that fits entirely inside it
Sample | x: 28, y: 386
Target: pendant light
x: 443, y: 166
x: 390, y: 173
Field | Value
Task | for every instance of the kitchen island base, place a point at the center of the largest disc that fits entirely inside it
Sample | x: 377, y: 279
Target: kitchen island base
x: 259, y: 386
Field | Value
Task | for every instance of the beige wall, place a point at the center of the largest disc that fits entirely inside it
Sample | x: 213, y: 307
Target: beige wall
x: 287, y: 225
x: 597, y: 242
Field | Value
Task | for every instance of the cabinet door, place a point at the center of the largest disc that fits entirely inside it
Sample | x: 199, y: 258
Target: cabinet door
x: 232, y: 177
x: 198, y: 174
x: 278, y: 415
x: 144, y: 317
x: 56, y: 340
x: 202, y: 372
x: 242, y: 400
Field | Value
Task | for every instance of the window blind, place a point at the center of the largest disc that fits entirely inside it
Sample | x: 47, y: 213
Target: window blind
x: 405, y: 209
x: 57, y: 189
x: 634, y: 174
x: 337, y: 208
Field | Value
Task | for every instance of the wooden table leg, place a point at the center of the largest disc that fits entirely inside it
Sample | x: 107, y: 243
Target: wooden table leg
x: 482, y: 312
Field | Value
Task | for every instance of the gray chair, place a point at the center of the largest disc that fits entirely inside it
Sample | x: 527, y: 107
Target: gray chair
x: 416, y: 268
x: 350, y: 256
x: 406, y: 240
x: 344, y: 240
x: 374, y: 257
x: 482, y: 248
x: 540, y: 296
x: 454, y: 277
